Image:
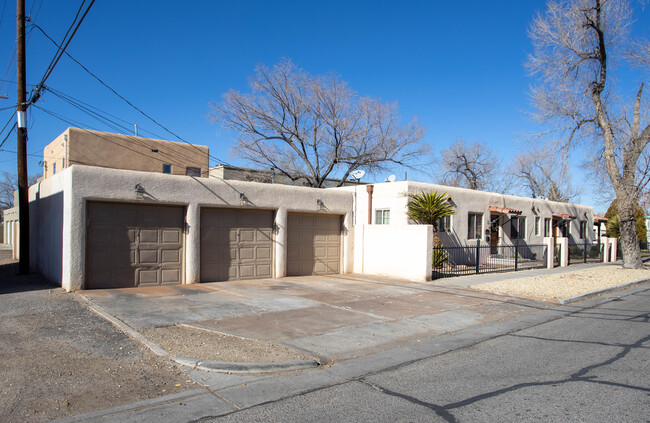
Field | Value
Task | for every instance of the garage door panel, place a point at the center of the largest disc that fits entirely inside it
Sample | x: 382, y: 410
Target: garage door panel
x: 247, y: 253
x: 148, y: 277
x: 320, y: 251
x: 171, y: 276
x: 247, y: 235
x: 149, y: 235
x: 263, y: 253
x: 148, y: 256
x: 293, y: 235
x: 171, y: 256
x: 170, y: 236
x: 264, y: 235
x: 313, y: 244
x: 247, y: 271
x: 246, y: 248
x: 133, y: 244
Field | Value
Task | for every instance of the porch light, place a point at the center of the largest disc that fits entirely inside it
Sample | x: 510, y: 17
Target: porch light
x: 139, y: 192
x: 320, y: 204
x: 243, y: 200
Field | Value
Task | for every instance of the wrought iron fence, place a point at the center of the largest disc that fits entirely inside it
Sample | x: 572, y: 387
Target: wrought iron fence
x: 478, y: 259
x: 586, y: 252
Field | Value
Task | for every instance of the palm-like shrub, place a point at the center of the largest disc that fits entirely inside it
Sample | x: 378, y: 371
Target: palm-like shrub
x: 427, y: 208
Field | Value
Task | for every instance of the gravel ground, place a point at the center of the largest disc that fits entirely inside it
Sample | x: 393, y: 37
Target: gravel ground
x: 59, y: 359
x: 564, y: 285
x: 208, y: 345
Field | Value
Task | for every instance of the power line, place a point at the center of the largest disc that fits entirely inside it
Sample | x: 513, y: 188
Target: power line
x: 174, y: 155
x: 9, y: 151
x: 61, y: 49
x: 8, y: 134
x: 218, y: 160
x: 78, y: 124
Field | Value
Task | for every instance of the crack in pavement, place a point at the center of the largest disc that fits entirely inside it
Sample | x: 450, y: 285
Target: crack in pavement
x: 444, y: 411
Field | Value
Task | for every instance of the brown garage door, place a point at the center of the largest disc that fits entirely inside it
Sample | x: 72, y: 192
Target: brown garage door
x: 314, y: 244
x: 236, y: 244
x: 133, y: 244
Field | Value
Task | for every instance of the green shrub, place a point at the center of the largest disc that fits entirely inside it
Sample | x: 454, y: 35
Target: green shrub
x: 594, y: 251
x: 575, y: 252
x: 439, y: 257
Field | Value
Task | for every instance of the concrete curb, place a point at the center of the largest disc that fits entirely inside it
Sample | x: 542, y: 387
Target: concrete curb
x: 155, y: 348
x: 207, y: 365
x: 597, y: 292
x: 243, y: 367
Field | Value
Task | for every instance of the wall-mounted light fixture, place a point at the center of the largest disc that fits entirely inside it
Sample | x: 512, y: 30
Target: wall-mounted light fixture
x: 451, y: 202
x: 243, y: 200
x: 320, y: 204
x: 139, y: 192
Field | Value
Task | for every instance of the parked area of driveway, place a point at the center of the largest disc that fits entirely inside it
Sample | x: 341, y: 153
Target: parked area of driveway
x: 328, y: 318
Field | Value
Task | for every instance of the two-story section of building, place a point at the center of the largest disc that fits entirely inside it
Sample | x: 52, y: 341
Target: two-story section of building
x: 118, y: 151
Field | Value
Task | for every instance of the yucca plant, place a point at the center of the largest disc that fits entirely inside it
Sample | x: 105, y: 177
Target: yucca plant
x: 427, y: 208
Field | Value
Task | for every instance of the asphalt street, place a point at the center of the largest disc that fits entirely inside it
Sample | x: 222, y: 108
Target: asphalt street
x: 589, y: 366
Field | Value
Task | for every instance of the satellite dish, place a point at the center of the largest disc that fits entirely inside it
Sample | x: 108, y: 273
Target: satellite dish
x: 391, y: 178
x: 358, y: 174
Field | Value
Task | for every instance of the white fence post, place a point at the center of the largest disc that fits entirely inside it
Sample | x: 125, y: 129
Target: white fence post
x: 614, y: 245
x: 550, y: 252
x: 564, y: 251
x: 605, y: 242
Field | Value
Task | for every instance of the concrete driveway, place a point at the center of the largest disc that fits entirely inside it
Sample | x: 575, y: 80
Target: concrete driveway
x: 332, y: 318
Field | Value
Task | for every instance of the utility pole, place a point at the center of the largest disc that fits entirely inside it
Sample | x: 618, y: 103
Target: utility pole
x: 21, y: 131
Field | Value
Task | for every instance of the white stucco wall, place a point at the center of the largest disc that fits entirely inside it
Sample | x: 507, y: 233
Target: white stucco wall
x: 394, y: 250
x: 49, y: 227
x: 394, y: 197
x: 79, y: 184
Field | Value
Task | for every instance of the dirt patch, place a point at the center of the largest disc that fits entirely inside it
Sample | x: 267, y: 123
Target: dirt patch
x: 565, y: 285
x: 208, y: 345
x: 59, y: 359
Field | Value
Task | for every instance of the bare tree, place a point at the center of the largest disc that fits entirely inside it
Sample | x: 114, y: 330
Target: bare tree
x: 9, y: 184
x: 541, y: 174
x: 470, y: 165
x: 313, y: 127
x: 575, y: 42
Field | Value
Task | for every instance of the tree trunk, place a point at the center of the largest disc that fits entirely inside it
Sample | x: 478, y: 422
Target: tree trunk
x: 629, y: 240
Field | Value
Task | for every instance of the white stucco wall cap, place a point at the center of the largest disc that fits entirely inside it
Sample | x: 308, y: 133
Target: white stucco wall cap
x: 494, y: 198
x: 117, y: 184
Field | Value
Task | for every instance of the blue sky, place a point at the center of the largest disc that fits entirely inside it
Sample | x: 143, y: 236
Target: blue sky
x: 457, y: 66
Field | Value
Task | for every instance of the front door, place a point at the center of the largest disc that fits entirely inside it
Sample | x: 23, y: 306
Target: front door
x: 494, y: 234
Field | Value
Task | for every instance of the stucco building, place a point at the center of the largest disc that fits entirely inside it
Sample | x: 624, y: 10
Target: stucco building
x: 487, y: 217
x: 117, y: 151
x: 122, y: 221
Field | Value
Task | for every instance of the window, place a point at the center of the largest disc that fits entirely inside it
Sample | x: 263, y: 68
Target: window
x: 547, y: 227
x: 474, y: 225
x: 63, y: 163
x: 54, y: 168
x: 382, y: 217
x: 583, y: 229
x: 518, y: 227
x: 167, y: 168
x: 193, y: 171
x: 538, y: 221
x: 444, y: 224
